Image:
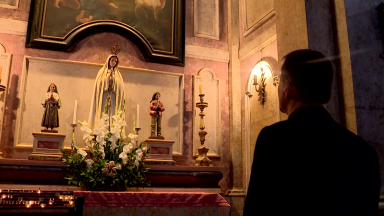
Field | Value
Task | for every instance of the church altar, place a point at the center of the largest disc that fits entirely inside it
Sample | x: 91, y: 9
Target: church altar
x: 153, y: 203
x: 146, y: 199
x: 136, y: 201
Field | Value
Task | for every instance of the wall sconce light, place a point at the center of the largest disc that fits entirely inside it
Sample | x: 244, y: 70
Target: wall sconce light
x: 380, y: 17
x: 276, y: 80
x: 260, y: 86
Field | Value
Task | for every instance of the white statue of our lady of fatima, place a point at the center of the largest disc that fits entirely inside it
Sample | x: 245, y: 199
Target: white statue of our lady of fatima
x: 108, y: 94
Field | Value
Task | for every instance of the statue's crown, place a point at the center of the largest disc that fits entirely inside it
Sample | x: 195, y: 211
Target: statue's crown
x: 115, y: 49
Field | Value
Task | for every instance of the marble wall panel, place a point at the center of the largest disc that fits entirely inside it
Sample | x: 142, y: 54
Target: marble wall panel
x: 75, y: 80
x: 19, y: 13
x: 206, y: 19
x: 255, y: 11
x: 190, y: 38
x: 291, y: 37
x: 211, y: 88
x: 95, y: 49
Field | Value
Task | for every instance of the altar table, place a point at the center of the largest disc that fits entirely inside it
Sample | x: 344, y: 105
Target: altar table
x: 153, y: 203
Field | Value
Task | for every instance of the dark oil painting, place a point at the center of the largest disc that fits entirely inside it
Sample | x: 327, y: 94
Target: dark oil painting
x: 154, y: 19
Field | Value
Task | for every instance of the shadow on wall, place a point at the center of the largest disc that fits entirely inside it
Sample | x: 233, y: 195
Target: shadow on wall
x: 11, y: 106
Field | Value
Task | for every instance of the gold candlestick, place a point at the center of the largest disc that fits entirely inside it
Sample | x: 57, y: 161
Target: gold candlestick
x: 202, y: 159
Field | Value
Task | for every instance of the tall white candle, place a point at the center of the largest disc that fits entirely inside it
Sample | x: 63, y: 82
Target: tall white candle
x: 137, y: 114
x: 74, y: 113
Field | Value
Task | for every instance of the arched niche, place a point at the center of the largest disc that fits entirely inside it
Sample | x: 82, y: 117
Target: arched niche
x: 211, y: 89
x: 36, y: 37
x: 259, y: 115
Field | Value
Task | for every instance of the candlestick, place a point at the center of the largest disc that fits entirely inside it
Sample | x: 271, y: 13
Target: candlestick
x: 202, y: 159
x: 137, y: 114
x: 74, y: 113
x: 200, y: 89
x: 134, y: 124
x: 255, y: 79
x: 73, y: 143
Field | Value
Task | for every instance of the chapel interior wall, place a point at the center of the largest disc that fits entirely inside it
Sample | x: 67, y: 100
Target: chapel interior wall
x: 366, y: 46
x: 95, y: 49
x: 258, y: 43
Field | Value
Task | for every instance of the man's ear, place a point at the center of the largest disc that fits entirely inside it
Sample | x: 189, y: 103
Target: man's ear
x: 287, y: 89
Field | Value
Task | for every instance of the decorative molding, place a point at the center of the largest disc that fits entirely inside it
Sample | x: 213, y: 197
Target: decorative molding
x: 247, y: 30
x: 5, y: 68
x: 176, y: 114
x: 15, y: 27
x: 236, y: 193
x: 212, y: 54
x: 258, y: 24
x: 2, y: 48
x: 212, y: 119
x: 244, y: 54
x: 16, y: 6
x: 201, y: 13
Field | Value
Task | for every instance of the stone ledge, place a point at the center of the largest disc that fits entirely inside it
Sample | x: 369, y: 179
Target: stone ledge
x: 53, y: 172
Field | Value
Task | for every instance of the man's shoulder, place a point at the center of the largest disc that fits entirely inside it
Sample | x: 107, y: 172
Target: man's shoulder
x: 354, y: 142
x: 282, y: 125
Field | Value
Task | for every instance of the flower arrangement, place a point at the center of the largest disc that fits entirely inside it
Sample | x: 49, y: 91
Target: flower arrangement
x: 110, y: 163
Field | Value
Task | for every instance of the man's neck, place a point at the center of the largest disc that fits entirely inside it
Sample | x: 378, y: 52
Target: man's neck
x: 298, y: 104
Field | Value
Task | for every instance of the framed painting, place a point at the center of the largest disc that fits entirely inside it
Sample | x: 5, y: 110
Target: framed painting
x: 13, y: 4
x: 155, y: 26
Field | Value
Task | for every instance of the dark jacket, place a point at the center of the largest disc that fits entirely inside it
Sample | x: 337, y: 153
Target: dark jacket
x: 311, y: 165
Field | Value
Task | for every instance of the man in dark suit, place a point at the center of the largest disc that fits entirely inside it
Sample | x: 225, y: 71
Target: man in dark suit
x: 309, y: 164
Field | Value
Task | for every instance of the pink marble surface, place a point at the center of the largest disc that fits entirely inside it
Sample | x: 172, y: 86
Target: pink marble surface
x: 159, y: 199
x: 95, y: 49
x: 189, y: 31
x: 160, y: 211
x: 22, y: 13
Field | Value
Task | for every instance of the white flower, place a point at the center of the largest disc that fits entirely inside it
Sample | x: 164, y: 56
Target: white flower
x: 131, y: 136
x: 128, y: 148
x: 113, y: 146
x: 100, y: 138
x: 144, y: 149
x: 136, y: 162
x: 114, y: 130
x: 82, y: 153
x: 113, y: 138
x: 124, y: 157
x: 118, y: 166
x: 101, y: 150
x: 89, y: 164
x: 84, y: 126
x: 87, y: 138
x: 139, y: 151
